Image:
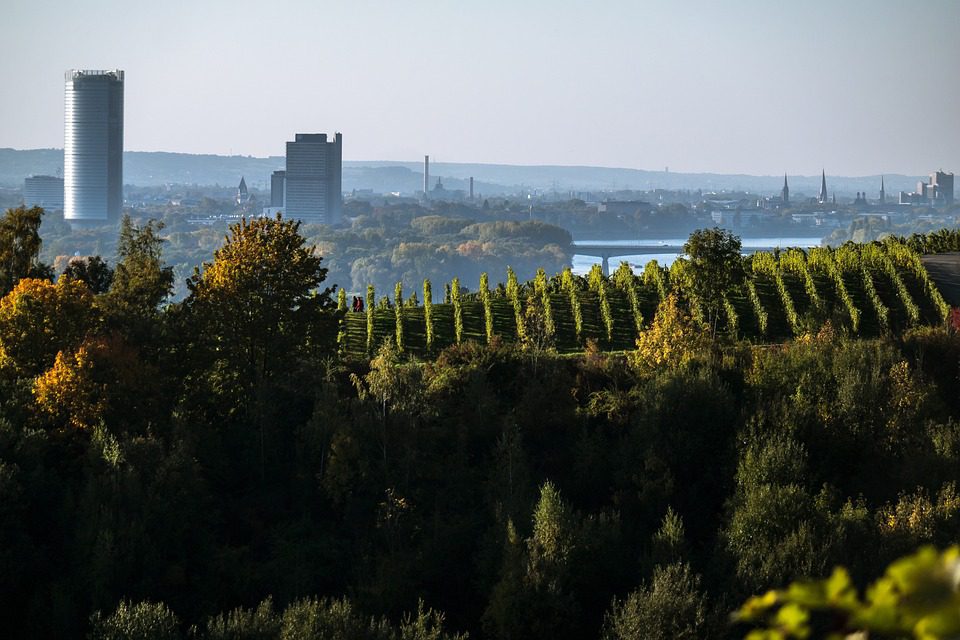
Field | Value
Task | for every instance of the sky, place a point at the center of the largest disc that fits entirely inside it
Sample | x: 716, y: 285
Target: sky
x: 757, y: 87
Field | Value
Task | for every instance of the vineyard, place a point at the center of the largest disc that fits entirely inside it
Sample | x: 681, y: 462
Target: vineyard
x: 868, y: 290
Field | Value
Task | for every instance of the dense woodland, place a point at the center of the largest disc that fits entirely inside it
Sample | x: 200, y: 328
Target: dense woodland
x: 223, y: 467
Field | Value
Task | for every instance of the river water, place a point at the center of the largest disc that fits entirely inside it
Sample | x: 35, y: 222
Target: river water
x: 581, y: 263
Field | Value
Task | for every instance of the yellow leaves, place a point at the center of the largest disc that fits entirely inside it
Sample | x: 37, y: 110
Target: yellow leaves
x: 83, y: 384
x: 68, y: 394
x: 672, y: 340
x: 38, y: 319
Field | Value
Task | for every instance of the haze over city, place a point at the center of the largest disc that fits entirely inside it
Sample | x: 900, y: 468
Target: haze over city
x: 861, y: 88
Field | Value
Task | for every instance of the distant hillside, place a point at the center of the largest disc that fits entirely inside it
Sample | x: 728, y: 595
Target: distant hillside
x: 156, y: 168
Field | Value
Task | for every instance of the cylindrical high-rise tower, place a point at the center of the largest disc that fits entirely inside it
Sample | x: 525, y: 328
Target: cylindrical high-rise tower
x: 93, y: 147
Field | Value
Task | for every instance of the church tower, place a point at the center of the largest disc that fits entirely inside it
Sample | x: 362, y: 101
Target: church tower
x: 822, y: 197
x: 785, y: 192
x: 883, y: 195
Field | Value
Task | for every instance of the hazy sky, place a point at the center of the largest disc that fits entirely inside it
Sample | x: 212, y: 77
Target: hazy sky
x: 757, y: 87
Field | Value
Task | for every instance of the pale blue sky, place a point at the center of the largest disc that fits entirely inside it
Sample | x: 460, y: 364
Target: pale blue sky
x: 761, y: 87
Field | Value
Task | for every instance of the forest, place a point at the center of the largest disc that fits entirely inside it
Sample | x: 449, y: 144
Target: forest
x: 256, y: 461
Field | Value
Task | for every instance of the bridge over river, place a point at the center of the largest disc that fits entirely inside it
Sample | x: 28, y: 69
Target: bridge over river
x: 616, y: 248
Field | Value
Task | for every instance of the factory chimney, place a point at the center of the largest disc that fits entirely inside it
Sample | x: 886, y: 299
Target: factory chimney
x: 426, y: 177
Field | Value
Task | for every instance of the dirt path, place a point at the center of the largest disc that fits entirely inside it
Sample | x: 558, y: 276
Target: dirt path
x: 944, y: 268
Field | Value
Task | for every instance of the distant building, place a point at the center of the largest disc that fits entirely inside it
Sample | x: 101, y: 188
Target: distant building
x: 822, y: 196
x: 624, y: 207
x: 883, y: 194
x: 243, y: 196
x: 277, y: 183
x: 43, y: 191
x: 313, y: 179
x: 939, y: 191
x: 942, y: 185
x: 93, y: 147
x: 785, y: 192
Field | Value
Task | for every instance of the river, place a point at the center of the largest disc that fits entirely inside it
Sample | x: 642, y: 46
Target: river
x: 581, y: 263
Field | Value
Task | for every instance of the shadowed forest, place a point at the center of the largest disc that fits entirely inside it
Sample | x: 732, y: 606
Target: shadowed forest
x: 257, y: 461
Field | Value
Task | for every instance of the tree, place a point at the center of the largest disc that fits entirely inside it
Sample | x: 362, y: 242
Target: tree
x: 141, y: 621
x: 670, y: 607
x: 20, y: 247
x: 715, y: 268
x: 258, y: 318
x: 140, y: 281
x: 258, y: 301
x: 90, y: 270
x: 671, y: 340
x: 38, y: 319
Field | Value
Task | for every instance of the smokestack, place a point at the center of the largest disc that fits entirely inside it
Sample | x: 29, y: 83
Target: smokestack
x: 471, y: 187
x: 426, y: 177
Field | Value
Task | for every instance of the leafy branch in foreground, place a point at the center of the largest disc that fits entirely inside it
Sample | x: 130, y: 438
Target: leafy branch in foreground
x: 918, y: 596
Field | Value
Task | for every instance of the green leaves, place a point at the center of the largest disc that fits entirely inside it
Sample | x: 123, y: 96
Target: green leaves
x: 19, y: 246
x: 917, y: 596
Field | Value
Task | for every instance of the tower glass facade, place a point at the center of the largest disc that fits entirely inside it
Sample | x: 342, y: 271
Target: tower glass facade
x: 93, y: 146
x: 313, y: 181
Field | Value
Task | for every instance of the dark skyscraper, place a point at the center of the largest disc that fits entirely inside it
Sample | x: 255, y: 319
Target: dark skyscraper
x: 313, y: 191
x: 277, y: 183
x: 93, y: 147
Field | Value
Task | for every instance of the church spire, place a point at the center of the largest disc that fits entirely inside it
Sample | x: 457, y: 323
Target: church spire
x: 822, y: 198
x: 785, y: 193
x: 883, y: 195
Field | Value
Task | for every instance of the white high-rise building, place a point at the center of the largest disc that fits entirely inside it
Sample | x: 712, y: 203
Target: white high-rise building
x: 313, y: 189
x: 43, y: 191
x: 93, y: 147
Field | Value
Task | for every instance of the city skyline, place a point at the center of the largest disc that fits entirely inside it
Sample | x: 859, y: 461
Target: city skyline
x: 743, y: 88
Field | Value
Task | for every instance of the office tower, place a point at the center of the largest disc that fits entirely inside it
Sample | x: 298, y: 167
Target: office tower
x: 426, y: 177
x: 313, y: 191
x: 942, y: 184
x: 43, y: 191
x: 93, y: 147
x: 277, y: 181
